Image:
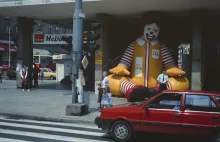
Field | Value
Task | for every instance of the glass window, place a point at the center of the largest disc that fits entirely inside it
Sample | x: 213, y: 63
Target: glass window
x: 6, y: 28
x: 36, y: 59
x: 50, y: 27
x: 200, y: 103
x: 49, y: 70
x: 217, y: 98
x: 57, y: 28
x: 166, y: 101
x: 45, y: 70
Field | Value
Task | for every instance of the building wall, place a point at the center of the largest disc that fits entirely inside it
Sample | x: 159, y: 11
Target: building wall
x: 5, y: 23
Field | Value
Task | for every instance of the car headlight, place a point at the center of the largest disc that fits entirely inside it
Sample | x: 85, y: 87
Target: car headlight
x: 99, y: 114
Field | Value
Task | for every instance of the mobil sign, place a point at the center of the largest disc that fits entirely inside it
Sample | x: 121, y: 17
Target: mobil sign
x: 39, y: 38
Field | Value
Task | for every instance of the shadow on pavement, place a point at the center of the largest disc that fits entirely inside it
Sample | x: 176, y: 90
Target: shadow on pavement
x: 54, y: 86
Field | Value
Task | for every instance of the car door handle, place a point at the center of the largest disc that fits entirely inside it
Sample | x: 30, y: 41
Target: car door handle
x: 215, y: 118
x: 176, y: 115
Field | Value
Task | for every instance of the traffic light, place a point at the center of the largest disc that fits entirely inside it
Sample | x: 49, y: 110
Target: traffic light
x: 92, y: 36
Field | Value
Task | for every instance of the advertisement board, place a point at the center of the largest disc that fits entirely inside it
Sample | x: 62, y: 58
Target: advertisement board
x: 39, y: 38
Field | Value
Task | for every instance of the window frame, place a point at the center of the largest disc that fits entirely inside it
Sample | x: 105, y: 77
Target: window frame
x: 204, y: 111
x: 180, y: 105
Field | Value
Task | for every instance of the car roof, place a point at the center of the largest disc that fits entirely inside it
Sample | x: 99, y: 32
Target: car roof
x: 193, y: 91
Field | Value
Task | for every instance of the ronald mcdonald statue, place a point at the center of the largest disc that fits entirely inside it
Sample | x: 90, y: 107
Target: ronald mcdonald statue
x: 145, y: 58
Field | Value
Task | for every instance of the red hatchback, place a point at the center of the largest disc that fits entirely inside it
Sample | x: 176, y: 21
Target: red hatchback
x: 173, y: 112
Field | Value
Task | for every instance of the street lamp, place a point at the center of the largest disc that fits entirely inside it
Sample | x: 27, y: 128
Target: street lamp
x: 9, y: 44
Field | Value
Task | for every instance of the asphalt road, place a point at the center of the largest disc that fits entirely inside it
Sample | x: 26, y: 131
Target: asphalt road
x: 20, y: 130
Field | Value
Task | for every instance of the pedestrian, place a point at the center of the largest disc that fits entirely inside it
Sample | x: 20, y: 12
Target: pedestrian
x: 35, y: 75
x: 24, y: 74
x: 41, y: 73
x: 100, y: 92
x: 105, y: 82
x: 107, y: 96
x: 162, y: 80
x: 1, y: 72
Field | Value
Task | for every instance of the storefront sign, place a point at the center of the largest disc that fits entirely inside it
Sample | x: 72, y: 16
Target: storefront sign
x: 6, y: 41
x: 98, y: 55
x: 39, y: 38
x: 49, y: 38
x: 98, y: 62
x: 57, y: 57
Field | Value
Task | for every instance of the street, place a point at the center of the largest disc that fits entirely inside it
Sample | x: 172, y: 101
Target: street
x: 40, y: 131
x: 49, y: 101
x: 20, y: 130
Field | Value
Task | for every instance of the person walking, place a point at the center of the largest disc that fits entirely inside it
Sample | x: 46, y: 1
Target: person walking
x: 105, y: 82
x: 24, y: 74
x: 41, y: 73
x: 1, y: 72
x: 107, y: 96
x: 162, y: 80
x: 100, y: 92
x: 35, y: 75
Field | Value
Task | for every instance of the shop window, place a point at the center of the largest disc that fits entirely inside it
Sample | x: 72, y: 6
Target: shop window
x: 6, y: 28
x: 39, y: 24
x: 50, y: 27
x: 70, y: 31
x: 200, y: 103
x: 57, y: 28
x: 40, y: 32
x: 16, y: 29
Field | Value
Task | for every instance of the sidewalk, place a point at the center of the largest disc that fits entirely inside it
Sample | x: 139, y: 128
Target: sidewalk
x: 48, y: 102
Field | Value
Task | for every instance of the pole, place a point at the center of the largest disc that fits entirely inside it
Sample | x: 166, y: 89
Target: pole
x: 9, y: 48
x: 9, y: 44
x: 77, y: 46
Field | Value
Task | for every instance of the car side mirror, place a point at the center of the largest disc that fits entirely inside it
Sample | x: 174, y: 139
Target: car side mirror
x: 148, y: 106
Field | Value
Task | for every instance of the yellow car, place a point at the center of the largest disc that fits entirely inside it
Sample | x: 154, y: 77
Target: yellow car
x: 48, y: 73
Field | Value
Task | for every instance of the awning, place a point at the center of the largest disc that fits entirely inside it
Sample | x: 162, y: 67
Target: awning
x: 6, y: 48
x: 40, y: 52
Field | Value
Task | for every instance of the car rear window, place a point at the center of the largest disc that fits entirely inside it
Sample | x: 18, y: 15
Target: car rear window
x: 198, y: 102
x: 217, y: 98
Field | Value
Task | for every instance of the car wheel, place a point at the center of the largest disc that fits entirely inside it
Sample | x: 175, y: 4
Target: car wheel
x: 216, y: 137
x: 51, y: 77
x: 121, y: 131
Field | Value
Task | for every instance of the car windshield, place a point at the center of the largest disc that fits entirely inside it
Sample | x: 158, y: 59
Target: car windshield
x: 49, y: 70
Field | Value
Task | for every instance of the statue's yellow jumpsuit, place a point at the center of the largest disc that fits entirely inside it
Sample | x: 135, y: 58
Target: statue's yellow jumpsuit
x: 147, y: 60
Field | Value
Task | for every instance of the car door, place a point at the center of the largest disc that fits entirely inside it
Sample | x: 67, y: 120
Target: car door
x: 163, y: 114
x: 46, y: 73
x: 200, y: 114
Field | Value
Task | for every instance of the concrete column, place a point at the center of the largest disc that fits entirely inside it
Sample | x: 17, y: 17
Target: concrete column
x: 198, y: 24
x: 25, y: 45
x: 104, y: 45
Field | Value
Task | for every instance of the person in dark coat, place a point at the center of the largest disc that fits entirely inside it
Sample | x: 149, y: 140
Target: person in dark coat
x: 35, y: 75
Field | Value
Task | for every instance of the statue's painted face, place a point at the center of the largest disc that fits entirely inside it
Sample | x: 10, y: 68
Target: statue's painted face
x: 151, y: 32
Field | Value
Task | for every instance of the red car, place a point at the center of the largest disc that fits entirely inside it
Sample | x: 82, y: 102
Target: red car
x: 172, y: 112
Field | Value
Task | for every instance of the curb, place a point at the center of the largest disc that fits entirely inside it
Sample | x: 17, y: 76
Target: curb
x: 44, y: 118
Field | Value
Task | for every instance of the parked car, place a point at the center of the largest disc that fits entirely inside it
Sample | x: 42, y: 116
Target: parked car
x: 175, y: 112
x: 48, y: 73
x: 11, y: 73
